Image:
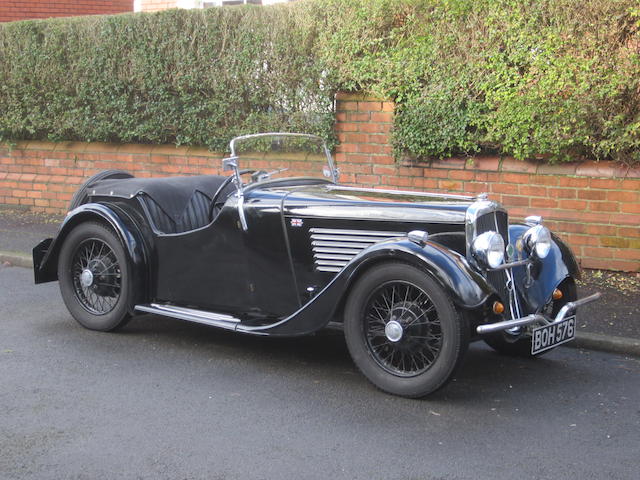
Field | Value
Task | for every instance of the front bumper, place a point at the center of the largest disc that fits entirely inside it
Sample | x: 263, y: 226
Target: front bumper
x: 566, y: 310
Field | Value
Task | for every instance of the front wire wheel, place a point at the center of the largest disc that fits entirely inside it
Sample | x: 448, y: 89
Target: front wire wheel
x: 402, y: 330
x: 93, y: 273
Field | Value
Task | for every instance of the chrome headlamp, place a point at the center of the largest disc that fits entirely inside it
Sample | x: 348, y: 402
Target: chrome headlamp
x: 488, y: 249
x: 537, y: 241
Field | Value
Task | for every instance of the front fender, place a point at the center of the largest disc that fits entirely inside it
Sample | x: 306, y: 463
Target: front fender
x: 546, y: 274
x: 467, y: 288
x: 45, y: 254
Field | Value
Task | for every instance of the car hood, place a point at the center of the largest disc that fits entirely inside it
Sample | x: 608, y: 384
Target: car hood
x: 338, y: 201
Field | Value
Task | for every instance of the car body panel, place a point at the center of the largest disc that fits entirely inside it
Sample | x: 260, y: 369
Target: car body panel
x: 536, y: 288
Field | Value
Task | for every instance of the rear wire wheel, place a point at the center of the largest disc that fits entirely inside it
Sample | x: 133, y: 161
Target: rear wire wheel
x: 93, y: 273
x: 520, y: 345
x: 402, y: 330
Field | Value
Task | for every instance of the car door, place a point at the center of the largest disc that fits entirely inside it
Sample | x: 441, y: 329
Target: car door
x: 271, y: 278
x: 206, y: 268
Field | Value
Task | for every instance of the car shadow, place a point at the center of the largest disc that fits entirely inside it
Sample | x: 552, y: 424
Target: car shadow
x: 483, y: 374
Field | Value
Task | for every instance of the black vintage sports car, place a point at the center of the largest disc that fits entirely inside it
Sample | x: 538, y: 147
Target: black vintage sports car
x: 412, y: 277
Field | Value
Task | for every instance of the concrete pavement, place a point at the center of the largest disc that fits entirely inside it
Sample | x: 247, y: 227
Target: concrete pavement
x: 165, y: 399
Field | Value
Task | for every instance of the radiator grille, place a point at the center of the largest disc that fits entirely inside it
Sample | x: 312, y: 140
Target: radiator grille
x: 334, y: 248
x: 497, y: 221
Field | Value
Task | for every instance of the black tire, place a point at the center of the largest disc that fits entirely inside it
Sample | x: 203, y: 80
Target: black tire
x: 520, y: 345
x: 433, y: 338
x: 82, y: 194
x: 104, y: 303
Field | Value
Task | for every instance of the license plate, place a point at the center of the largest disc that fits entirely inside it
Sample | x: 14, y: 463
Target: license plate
x: 550, y: 336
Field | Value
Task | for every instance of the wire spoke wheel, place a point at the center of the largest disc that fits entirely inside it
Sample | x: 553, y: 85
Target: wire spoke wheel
x: 403, y: 331
x: 96, y: 276
x: 402, y: 328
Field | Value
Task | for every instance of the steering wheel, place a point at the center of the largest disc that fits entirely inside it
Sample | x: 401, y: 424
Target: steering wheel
x: 223, y: 185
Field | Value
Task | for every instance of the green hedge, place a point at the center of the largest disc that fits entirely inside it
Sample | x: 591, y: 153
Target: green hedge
x: 551, y: 79
x: 195, y: 77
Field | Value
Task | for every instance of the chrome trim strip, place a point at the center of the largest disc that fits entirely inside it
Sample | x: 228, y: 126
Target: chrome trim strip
x: 536, y: 317
x: 369, y: 233
x: 329, y: 269
x: 332, y: 256
x: 241, y: 215
x: 350, y: 238
x: 360, y: 246
x: 331, y: 263
x: 341, y: 251
x: 399, y: 192
x: 191, y: 315
x: 200, y: 313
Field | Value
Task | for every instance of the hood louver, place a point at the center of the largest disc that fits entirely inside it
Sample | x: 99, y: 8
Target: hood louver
x: 334, y: 248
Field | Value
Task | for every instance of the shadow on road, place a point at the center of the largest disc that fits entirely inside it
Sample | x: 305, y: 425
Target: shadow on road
x: 483, y: 375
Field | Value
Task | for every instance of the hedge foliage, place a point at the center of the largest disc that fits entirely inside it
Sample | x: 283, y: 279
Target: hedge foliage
x: 195, y: 77
x: 552, y: 79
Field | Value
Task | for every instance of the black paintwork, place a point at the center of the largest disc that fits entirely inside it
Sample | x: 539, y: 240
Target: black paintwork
x: 46, y: 264
x: 265, y: 275
x: 546, y: 274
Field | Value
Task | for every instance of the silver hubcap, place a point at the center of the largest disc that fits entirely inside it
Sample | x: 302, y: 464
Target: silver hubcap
x: 393, y: 331
x: 86, y: 278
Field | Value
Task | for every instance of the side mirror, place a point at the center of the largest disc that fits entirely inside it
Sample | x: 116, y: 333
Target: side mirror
x: 229, y: 164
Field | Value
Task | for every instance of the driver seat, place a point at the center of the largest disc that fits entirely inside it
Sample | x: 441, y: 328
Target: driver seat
x: 194, y: 216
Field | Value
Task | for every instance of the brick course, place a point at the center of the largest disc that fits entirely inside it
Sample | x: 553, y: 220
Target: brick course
x: 156, y: 5
x: 12, y: 10
x: 594, y: 208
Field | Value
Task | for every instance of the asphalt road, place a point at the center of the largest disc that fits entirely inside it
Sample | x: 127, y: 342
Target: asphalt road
x: 165, y: 399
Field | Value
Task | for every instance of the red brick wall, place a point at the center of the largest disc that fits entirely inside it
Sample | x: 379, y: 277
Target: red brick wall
x: 155, y: 5
x: 593, y: 206
x: 11, y: 10
x: 43, y: 176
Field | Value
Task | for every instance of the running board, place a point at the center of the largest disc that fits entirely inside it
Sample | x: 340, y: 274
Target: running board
x: 191, y: 315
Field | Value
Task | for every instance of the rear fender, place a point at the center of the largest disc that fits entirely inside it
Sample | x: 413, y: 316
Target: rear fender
x: 45, y: 254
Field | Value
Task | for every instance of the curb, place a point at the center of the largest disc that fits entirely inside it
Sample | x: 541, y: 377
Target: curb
x: 585, y: 340
x: 606, y: 343
x: 16, y: 259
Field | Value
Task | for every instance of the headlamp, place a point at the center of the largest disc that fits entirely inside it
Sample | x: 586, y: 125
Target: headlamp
x: 488, y: 249
x: 537, y: 241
